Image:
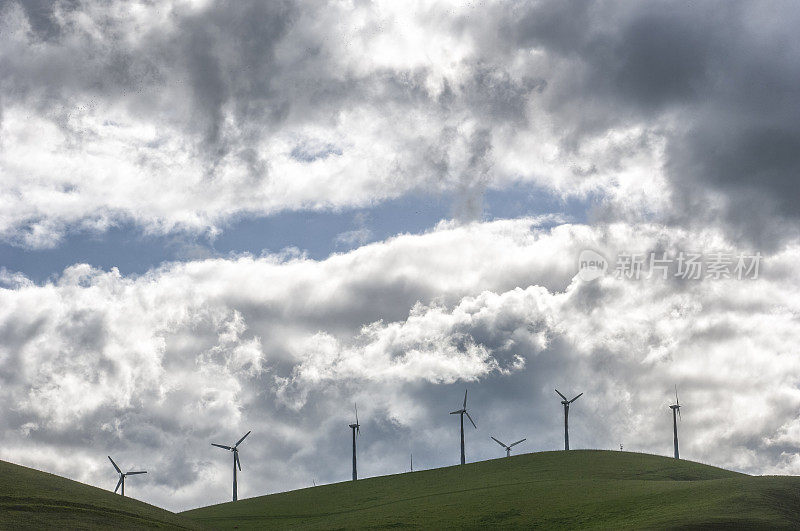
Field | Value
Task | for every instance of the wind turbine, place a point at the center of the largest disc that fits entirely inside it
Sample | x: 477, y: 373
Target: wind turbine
x: 122, y: 476
x: 356, y: 430
x: 236, y: 462
x: 676, y: 408
x: 566, y: 416
x: 462, y: 412
x: 508, y: 448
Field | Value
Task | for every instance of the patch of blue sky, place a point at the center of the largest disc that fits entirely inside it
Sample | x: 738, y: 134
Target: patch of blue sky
x: 318, y: 234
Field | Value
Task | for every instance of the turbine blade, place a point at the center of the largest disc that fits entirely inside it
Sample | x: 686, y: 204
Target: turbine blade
x: 221, y: 446
x: 465, y: 398
x: 140, y: 472
x: 356, y: 407
x: 519, y: 441
x: 574, y: 399
x: 498, y: 442
x: 118, y: 484
x: 115, y: 465
x: 240, y: 440
x: 470, y: 419
x: 238, y: 463
x: 559, y: 394
x: 676, y: 396
x: 456, y: 412
x: 679, y: 413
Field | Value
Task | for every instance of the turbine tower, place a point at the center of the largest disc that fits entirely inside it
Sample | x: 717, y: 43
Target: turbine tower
x: 356, y: 430
x: 508, y: 448
x: 235, y: 450
x: 462, y: 412
x: 122, y: 475
x: 676, y: 408
x: 566, y: 416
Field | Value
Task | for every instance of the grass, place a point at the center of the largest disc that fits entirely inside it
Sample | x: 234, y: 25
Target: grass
x: 552, y: 490
x: 30, y: 499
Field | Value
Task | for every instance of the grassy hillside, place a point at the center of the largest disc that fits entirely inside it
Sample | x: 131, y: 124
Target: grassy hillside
x: 30, y: 499
x: 576, y: 489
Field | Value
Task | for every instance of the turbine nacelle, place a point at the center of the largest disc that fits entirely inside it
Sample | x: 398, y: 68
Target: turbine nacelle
x: 235, y: 447
x: 565, y: 401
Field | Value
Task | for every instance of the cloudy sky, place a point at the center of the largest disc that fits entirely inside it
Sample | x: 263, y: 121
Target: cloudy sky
x: 218, y: 217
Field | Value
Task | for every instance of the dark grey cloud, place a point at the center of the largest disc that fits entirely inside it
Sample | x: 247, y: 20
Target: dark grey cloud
x: 720, y: 78
x: 42, y: 17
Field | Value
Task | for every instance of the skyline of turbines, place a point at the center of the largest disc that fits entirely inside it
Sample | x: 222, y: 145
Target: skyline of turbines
x: 356, y: 430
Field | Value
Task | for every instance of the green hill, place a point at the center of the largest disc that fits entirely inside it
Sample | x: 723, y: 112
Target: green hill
x: 30, y: 499
x: 576, y: 489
